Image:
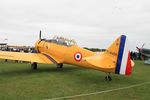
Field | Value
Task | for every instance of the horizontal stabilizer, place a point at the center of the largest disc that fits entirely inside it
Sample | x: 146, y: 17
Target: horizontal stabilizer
x: 102, y: 62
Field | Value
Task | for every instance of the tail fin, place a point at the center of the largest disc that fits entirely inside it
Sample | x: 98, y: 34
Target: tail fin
x: 121, y: 54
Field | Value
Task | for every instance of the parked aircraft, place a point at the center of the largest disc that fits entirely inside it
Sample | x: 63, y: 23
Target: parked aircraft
x: 144, y: 52
x: 59, y: 51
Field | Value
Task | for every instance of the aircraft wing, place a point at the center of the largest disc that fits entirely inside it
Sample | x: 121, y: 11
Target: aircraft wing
x: 29, y: 57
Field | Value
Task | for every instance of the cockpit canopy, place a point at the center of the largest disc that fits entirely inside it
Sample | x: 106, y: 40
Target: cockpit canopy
x: 62, y: 41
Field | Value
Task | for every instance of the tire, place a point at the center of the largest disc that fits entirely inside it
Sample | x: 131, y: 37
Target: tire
x: 34, y: 66
x: 60, y: 65
x: 108, y: 78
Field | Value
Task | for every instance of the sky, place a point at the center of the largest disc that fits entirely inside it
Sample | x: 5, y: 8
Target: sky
x: 92, y: 23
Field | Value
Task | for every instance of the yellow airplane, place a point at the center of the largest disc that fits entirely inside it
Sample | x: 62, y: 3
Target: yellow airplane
x: 59, y: 51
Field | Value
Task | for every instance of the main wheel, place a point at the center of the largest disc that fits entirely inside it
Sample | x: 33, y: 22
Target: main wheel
x: 60, y: 65
x: 34, y: 66
x: 108, y: 78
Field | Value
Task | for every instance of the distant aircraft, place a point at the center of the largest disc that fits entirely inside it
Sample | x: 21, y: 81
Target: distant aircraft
x: 59, y: 51
x: 145, y: 52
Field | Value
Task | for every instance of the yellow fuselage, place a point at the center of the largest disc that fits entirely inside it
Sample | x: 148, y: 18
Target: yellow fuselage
x: 65, y: 53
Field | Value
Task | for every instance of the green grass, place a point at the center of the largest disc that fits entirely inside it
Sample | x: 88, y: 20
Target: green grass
x: 18, y: 82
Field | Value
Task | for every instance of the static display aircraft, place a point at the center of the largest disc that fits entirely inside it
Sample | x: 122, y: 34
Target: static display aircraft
x: 59, y: 51
x: 144, y: 52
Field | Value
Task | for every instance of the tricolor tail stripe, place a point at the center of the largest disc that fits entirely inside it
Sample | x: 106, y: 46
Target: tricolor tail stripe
x: 123, y: 65
x: 120, y: 54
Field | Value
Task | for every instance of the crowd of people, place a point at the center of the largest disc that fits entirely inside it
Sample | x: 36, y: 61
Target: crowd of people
x: 25, y: 49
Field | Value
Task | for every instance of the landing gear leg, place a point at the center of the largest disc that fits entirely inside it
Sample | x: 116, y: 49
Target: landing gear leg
x: 108, y: 77
x: 34, y: 66
x: 60, y: 65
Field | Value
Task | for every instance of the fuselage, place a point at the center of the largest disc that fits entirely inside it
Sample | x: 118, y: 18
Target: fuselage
x: 68, y: 54
x: 145, y: 52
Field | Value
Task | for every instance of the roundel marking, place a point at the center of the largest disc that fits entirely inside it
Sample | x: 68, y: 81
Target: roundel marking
x: 78, y: 56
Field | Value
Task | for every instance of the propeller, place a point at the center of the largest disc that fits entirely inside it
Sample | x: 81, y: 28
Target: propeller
x: 40, y: 35
x: 143, y: 45
x: 139, y: 49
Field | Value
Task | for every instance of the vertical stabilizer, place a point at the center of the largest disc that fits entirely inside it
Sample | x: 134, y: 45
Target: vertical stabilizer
x: 120, y: 52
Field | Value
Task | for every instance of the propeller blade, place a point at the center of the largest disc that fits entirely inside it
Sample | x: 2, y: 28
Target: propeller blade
x: 143, y: 45
x: 138, y: 49
x: 40, y: 34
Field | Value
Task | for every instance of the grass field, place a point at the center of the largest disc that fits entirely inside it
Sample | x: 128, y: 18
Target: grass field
x: 18, y: 82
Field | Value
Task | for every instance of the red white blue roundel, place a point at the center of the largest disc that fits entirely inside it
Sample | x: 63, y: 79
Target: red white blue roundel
x: 78, y: 56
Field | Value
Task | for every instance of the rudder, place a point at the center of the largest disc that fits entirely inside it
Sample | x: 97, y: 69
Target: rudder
x: 121, y: 55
